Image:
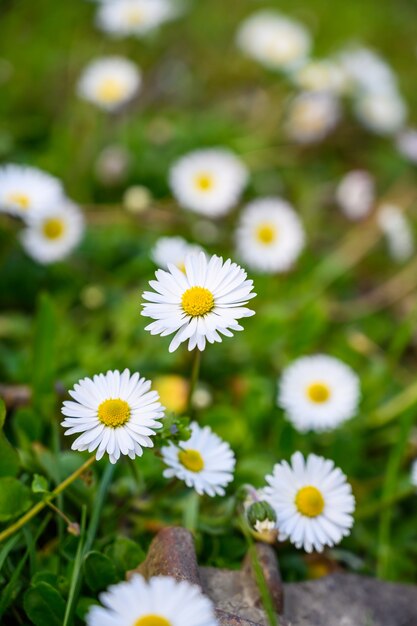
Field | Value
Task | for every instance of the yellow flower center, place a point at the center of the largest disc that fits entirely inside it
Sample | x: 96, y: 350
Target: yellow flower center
x: 110, y: 90
x: 197, y: 301
x: 134, y: 17
x: 53, y: 228
x: 266, y: 233
x: 318, y: 392
x: 114, y: 412
x: 21, y: 199
x: 191, y: 459
x: 152, y: 620
x: 204, y: 182
x: 309, y: 501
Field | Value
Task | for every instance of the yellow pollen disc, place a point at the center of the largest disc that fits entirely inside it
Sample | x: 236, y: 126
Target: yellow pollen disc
x: 204, y: 182
x: 21, y: 199
x: 197, y: 301
x: 318, y: 392
x: 266, y: 233
x: 110, y: 90
x: 309, y: 501
x: 134, y: 17
x: 53, y: 228
x: 152, y: 620
x: 191, y: 459
x: 114, y: 412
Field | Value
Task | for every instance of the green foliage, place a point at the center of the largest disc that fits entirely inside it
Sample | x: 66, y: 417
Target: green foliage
x: 14, y: 498
x: 44, y: 605
x: 99, y: 571
x: 9, y: 459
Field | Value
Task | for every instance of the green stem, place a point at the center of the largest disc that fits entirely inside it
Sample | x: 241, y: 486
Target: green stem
x: 194, y: 377
x: 396, y: 406
x: 8, y: 532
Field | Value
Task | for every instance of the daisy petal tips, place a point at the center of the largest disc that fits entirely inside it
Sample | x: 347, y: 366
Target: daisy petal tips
x: 199, y: 304
x: 114, y: 413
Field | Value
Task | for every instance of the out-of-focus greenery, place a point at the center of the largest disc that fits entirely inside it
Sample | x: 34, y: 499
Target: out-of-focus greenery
x: 199, y: 90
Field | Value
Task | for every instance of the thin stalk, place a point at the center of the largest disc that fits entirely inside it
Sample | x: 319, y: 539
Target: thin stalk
x: 8, y: 532
x: 195, y: 371
x: 394, y: 407
x: 76, y: 570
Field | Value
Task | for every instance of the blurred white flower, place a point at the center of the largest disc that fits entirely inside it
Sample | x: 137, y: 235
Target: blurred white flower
x: 274, y: 40
x: 313, y: 502
x: 121, y: 18
x: 321, y: 75
x: 355, y: 194
x: 204, y: 462
x: 109, y: 82
x: 270, y: 236
x: 115, y: 413
x: 208, y: 181
x: 172, y: 250
x: 312, y: 116
x: 159, y: 601
x: 406, y: 143
x: 382, y: 113
x: 112, y: 165
x: 368, y: 72
x: 397, y: 230
x: 137, y: 199
x: 200, y: 304
x: 52, y: 233
x: 318, y: 393
x: 24, y: 190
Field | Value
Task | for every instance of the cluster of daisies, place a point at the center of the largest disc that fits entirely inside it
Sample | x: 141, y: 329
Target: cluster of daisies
x: 355, y: 73
x: 54, y: 225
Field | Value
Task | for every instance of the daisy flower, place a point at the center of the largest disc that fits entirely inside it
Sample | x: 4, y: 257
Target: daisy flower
x: 52, y: 234
x: 355, y: 194
x: 381, y: 113
x: 270, y: 236
x: 115, y: 413
x: 406, y: 143
x: 200, y: 304
x: 368, y: 71
x: 313, y: 502
x: 274, y: 40
x: 204, y: 462
x: 159, y: 601
x: 324, y: 75
x: 397, y: 230
x: 312, y: 116
x: 133, y: 17
x: 172, y: 250
x: 24, y: 190
x: 208, y: 181
x: 109, y: 82
x: 318, y: 393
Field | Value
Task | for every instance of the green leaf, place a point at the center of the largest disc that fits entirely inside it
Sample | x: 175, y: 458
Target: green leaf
x: 44, y: 356
x: 44, y: 605
x: 2, y: 412
x: 125, y: 554
x: 27, y: 427
x: 14, y: 498
x: 9, y: 459
x: 99, y: 571
x: 40, y: 484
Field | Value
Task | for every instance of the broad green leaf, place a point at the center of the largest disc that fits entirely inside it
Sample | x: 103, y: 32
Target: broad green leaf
x: 44, y: 605
x: 125, y: 554
x: 14, y: 498
x: 40, y: 484
x: 9, y: 459
x: 99, y: 571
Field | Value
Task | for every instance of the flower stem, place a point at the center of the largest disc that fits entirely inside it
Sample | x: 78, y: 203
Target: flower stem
x: 194, y: 377
x: 8, y: 532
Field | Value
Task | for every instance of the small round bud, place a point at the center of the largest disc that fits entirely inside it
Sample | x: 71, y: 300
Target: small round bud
x: 137, y: 199
x: 261, y: 516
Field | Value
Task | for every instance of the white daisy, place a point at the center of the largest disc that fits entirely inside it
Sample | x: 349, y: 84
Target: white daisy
x: 368, y: 71
x: 52, y: 234
x: 116, y: 413
x: 413, y: 475
x: 159, y: 601
x: 406, y: 143
x: 396, y: 228
x: 110, y: 82
x: 274, y: 40
x: 382, y: 113
x: 312, y: 116
x: 208, y: 181
x: 200, y: 304
x: 313, y: 501
x: 318, y: 393
x: 355, y: 194
x: 122, y: 18
x: 270, y: 236
x: 204, y: 462
x: 172, y: 250
x: 24, y: 190
x: 322, y: 75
